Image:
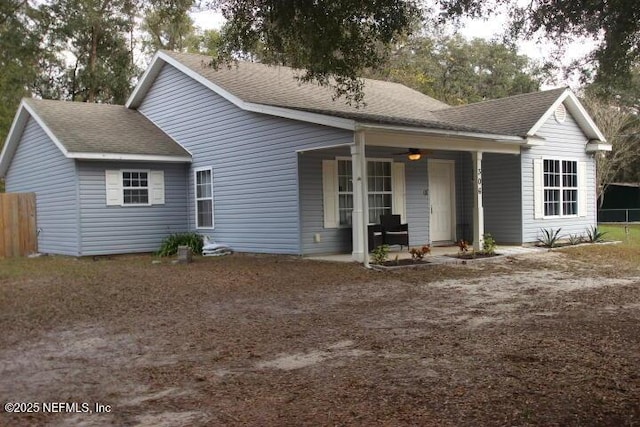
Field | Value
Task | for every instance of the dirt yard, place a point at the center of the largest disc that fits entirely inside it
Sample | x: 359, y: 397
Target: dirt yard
x: 547, y: 339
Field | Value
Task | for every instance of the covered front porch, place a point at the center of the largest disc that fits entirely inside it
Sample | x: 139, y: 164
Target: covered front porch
x: 437, y: 191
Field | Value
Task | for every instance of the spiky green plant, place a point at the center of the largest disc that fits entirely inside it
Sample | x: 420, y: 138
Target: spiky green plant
x: 575, y: 239
x: 593, y: 235
x: 549, y: 237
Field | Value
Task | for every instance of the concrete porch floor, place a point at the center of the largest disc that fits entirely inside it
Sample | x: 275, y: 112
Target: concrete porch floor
x: 439, y: 254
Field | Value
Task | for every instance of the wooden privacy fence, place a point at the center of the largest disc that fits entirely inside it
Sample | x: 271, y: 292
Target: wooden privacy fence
x: 18, y: 235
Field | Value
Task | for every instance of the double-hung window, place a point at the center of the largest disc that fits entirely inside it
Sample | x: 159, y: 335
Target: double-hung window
x: 380, y: 193
x: 203, y: 179
x: 345, y: 192
x: 560, y: 187
x: 135, y: 188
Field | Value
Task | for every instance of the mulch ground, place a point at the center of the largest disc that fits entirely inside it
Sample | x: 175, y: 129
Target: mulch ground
x: 546, y: 339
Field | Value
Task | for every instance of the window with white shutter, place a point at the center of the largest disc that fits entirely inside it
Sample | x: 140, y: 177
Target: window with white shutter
x: 134, y: 187
x: 386, y: 191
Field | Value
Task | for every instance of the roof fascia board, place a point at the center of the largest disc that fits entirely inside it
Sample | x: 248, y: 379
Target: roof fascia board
x: 574, y: 103
x: 160, y: 58
x: 597, y: 146
x: 16, y: 131
x: 129, y: 157
x: 577, y: 110
x: 145, y: 82
x: 11, y: 143
x: 305, y: 116
x: 46, y: 129
x: 431, y: 142
x: 444, y: 133
x: 542, y: 120
x: 326, y: 147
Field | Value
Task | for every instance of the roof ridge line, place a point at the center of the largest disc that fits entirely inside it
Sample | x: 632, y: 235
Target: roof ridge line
x: 453, y: 107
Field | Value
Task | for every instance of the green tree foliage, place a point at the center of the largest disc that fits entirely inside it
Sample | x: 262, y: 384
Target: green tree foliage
x: 99, y: 34
x: 457, y: 71
x: 333, y: 40
x: 209, y: 42
x: 614, y: 23
x: 168, y: 25
x: 19, y: 53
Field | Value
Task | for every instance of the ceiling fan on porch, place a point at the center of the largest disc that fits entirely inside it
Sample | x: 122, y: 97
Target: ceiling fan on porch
x: 412, y: 154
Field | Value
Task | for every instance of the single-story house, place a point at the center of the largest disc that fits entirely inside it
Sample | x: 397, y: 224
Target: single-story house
x: 252, y: 158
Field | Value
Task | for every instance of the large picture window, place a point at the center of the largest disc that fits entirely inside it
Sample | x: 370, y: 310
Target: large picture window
x: 560, y: 187
x: 380, y: 193
x: 204, y: 198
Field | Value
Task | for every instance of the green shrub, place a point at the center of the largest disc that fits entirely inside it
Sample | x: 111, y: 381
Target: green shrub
x: 549, y: 237
x: 489, y: 244
x: 170, y: 244
x: 380, y: 254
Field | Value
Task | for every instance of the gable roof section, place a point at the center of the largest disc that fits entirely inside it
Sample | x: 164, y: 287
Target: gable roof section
x: 274, y: 90
x: 94, y: 132
x: 521, y: 115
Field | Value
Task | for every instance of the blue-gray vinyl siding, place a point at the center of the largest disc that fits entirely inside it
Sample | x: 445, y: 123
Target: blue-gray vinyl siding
x: 563, y: 141
x: 253, y: 156
x: 502, y: 195
x: 128, y: 229
x: 39, y: 166
x: 332, y: 240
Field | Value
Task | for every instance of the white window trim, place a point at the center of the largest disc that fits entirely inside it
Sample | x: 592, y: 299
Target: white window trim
x: 339, y: 193
x: 368, y: 159
x: 123, y: 188
x: 196, y: 199
x: 114, y: 187
x: 561, y: 188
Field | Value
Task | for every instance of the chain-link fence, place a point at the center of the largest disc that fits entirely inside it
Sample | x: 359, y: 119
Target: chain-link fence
x: 618, y: 215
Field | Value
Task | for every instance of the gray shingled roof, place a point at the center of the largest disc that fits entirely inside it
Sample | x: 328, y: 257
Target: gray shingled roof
x: 99, y: 128
x: 386, y: 102
x: 514, y: 115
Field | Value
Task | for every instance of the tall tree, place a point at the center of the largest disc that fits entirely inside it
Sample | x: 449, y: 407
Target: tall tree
x: 458, y: 71
x: 338, y: 39
x: 621, y: 126
x: 98, y: 33
x: 19, y: 53
x: 168, y: 25
x: 333, y: 40
x: 614, y: 24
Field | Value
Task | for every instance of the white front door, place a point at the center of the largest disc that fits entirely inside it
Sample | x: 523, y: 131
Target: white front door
x: 442, y: 199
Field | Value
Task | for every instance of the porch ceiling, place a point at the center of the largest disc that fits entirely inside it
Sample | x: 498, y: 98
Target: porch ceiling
x: 402, y: 138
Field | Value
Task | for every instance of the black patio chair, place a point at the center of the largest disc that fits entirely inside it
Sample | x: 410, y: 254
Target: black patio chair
x: 375, y: 236
x: 393, y: 232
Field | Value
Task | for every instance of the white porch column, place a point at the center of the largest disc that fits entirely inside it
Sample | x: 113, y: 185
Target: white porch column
x: 360, y: 217
x: 478, y: 209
